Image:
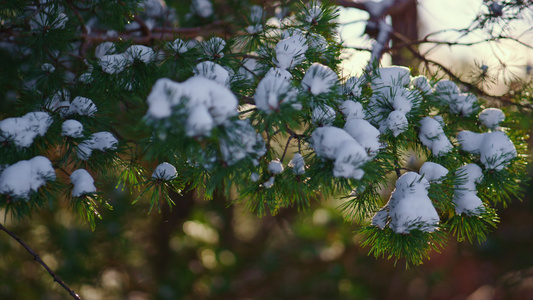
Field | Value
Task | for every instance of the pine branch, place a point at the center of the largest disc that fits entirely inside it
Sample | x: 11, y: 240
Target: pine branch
x: 40, y: 261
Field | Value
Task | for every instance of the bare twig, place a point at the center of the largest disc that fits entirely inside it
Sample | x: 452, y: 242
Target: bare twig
x: 39, y: 260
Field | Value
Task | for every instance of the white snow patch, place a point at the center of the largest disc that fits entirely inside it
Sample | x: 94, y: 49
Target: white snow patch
x: 213, y: 71
x: 104, y: 48
x: 83, y: 183
x: 207, y: 103
x: 491, y: 117
x: 72, y: 128
x: 337, y: 144
x: 273, y: 90
x: 164, y: 171
x: 352, y: 110
x: 495, y: 148
x: 139, y: 52
x: 113, y: 63
x: 297, y: 164
x: 465, y: 196
x: 433, y: 172
x: 82, y: 106
x: 23, y: 130
x: 275, y: 167
x: 290, y: 51
x: 409, y: 206
x: 25, y: 177
x: 319, y: 79
x: 365, y: 134
x: 391, y: 76
x: 432, y: 136
x: 102, y: 141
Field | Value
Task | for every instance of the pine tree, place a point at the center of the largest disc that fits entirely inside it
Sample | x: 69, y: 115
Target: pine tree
x: 105, y: 91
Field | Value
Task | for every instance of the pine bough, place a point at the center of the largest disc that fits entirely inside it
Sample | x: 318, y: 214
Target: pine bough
x: 217, y: 115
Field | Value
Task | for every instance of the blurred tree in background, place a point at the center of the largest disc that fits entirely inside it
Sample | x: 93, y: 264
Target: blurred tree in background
x: 202, y: 249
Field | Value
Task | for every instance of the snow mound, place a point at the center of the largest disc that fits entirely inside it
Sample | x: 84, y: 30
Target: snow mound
x: 83, y: 183
x: 319, y: 79
x: 491, y: 117
x: 72, y: 128
x: 25, y: 177
x: 164, y: 171
x: 205, y: 102
x: 432, y: 136
x: 409, y: 207
x: 465, y: 195
x: 23, y: 130
x: 102, y: 141
x: 495, y: 148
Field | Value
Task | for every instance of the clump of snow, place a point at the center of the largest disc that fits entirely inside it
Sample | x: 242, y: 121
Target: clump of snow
x: 432, y: 136
x: 290, y: 51
x: 23, y: 130
x: 242, y: 141
x: 273, y: 90
x: 213, y: 71
x: 82, y: 106
x: 365, y: 134
x: 447, y: 89
x: 59, y: 102
x: 353, y: 86
x: 459, y: 103
x: 297, y: 164
x: 323, y: 115
x: 336, y: 144
x: 48, y: 68
x: 313, y: 14
x: 319, y: 79
x: 139, y: 52
x: 254, y: 177
x: 252, y: 29
x: 465, y: 196
x: 433, y: 172
x: 25, y: 177
x: 102, y: 141
x: 202, y: 8
x: 164, y: 171
x: 352, y: 110
x: 396, y: 122
x: 205, y: 102
x: 464, y: 104
x: 421, y: 83
x: 83, y: 183
x: 491, y: 117
x: 391, y: 101
x: 495, y: 148
x: 214, y: 47
x: 268, y: 184
x: 409, y: 207
x: 391, y: 76
x: 178, y: 46
x: 72, y: 128
x: 104, y: 48
x: 113, y: 63
x: 275, y: 167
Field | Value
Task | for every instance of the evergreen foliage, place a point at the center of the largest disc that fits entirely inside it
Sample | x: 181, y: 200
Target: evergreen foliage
x: 205, y: 119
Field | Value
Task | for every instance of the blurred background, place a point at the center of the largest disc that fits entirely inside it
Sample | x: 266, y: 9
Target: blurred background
x: 211, y: 250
